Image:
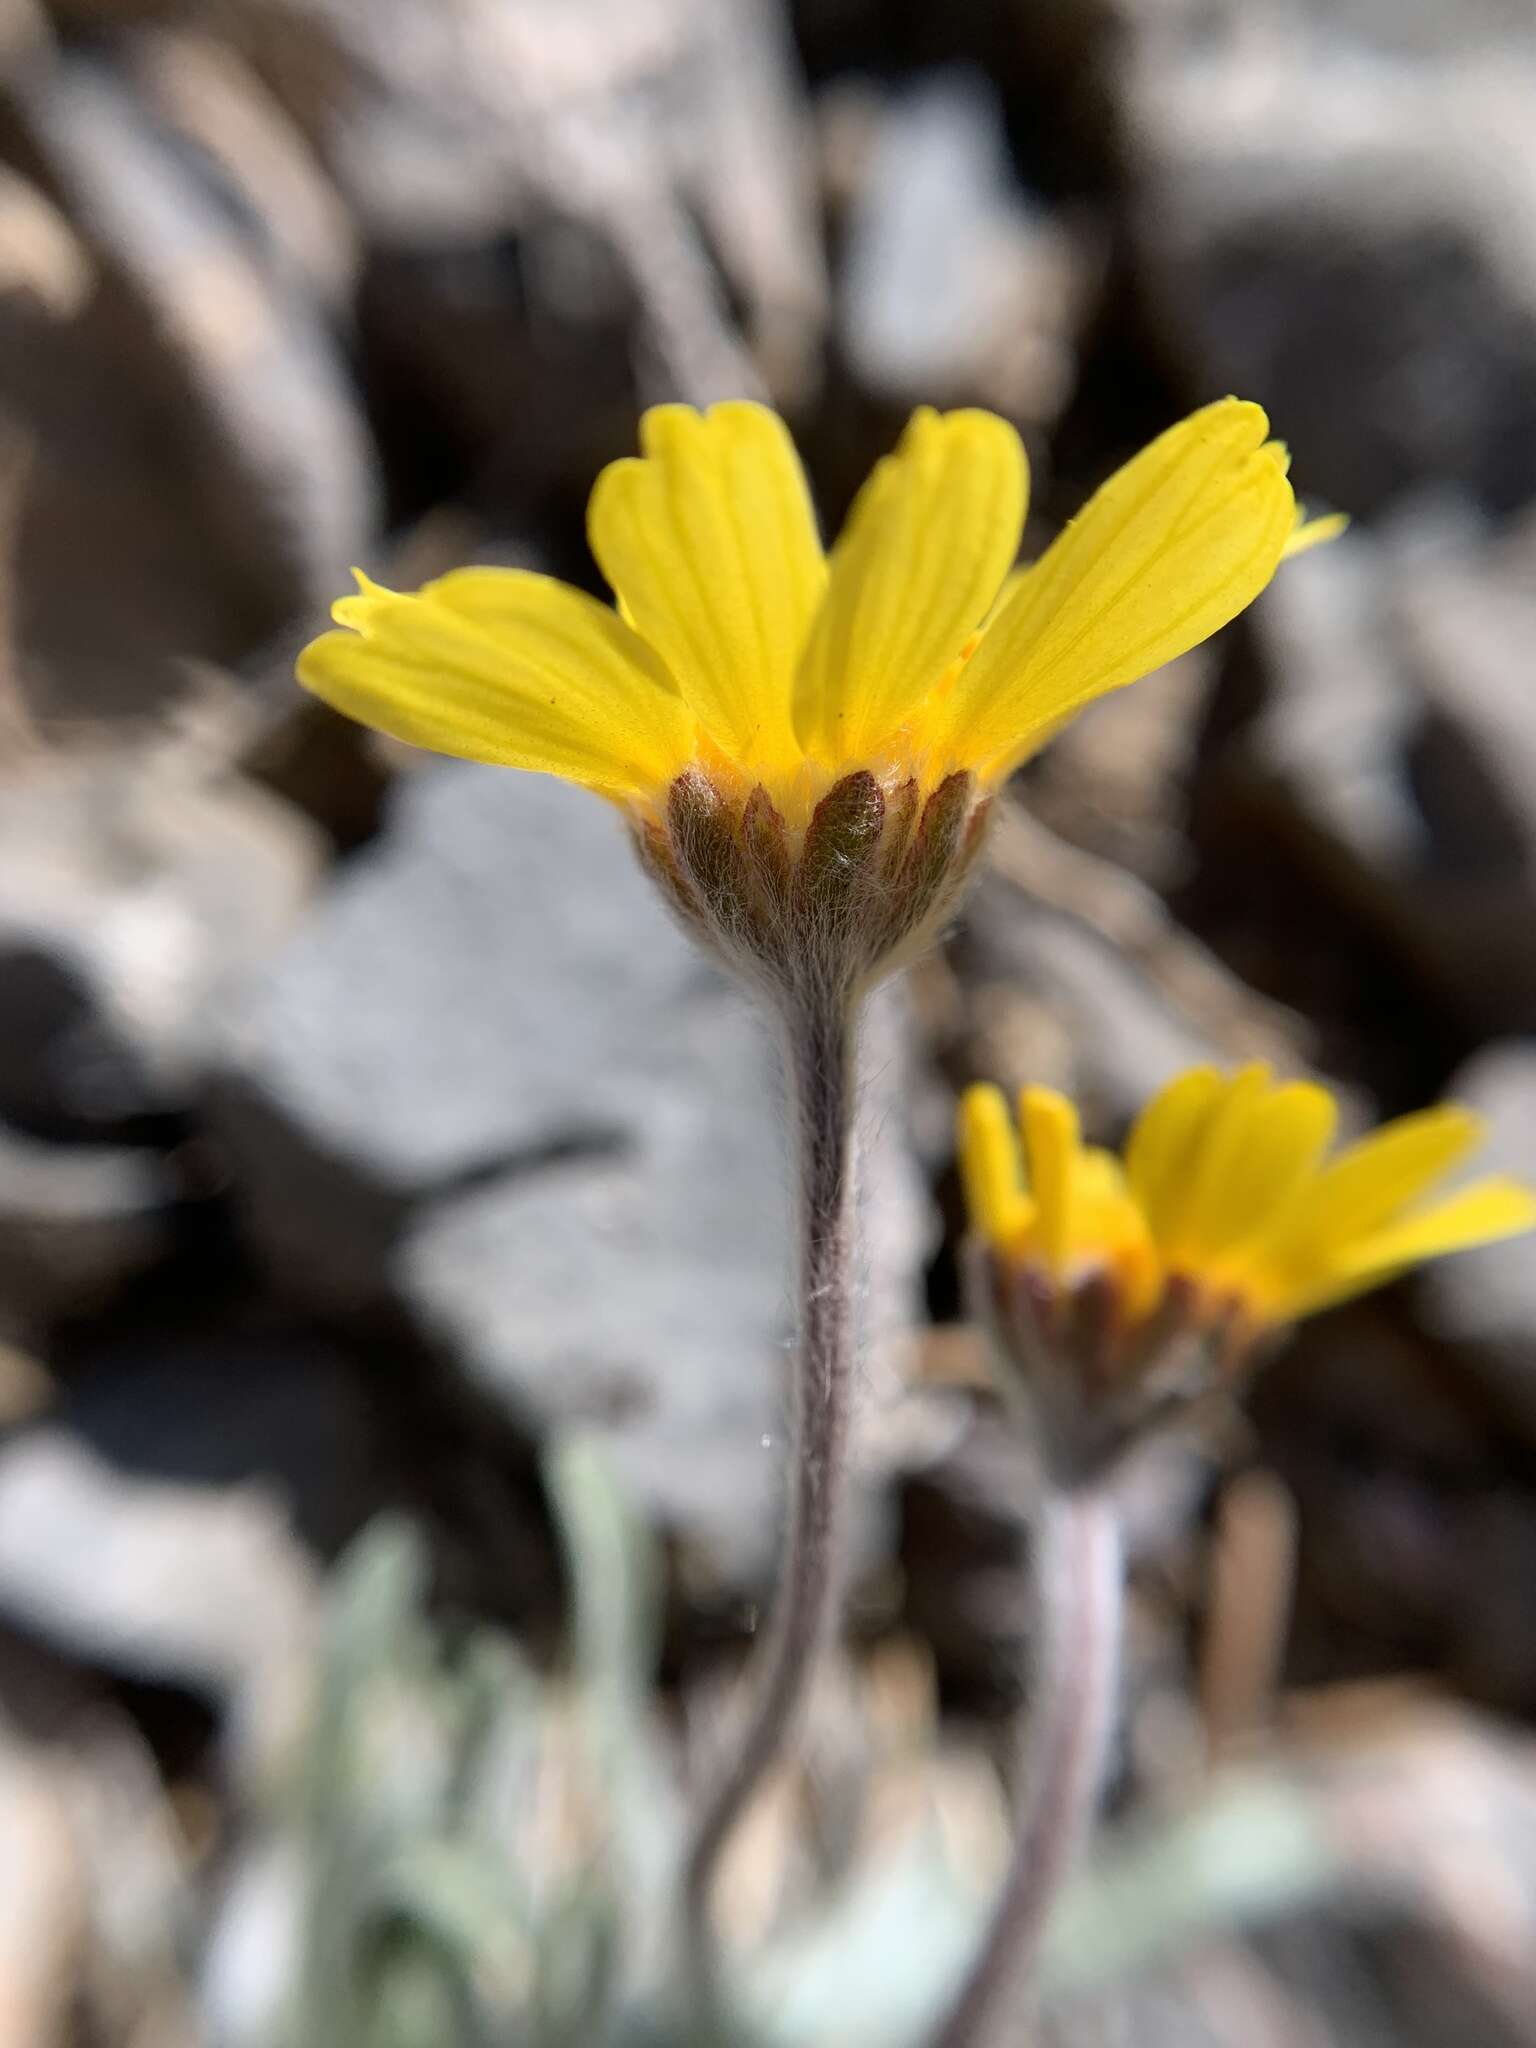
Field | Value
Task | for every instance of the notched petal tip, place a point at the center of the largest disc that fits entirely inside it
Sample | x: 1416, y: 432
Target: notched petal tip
x: 1310, y: 533
x: 748, y: 412
x: 543, y: 678
x: 662, y: 427
x: 914, y: 572
x: 355, y: 608
x: 1165, y: 553
x: 708, y: 540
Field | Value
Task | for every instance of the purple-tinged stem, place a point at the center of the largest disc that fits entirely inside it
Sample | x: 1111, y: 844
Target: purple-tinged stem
x: 1077, y: 1572
x: 819, y: 1059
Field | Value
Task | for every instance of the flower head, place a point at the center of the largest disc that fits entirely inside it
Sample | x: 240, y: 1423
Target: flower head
x: 1118, y: 1283
x: 805, y: 743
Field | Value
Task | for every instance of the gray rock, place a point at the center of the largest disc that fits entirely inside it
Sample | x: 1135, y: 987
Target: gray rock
x: 76, y: 1221
x: 65, y: 1068
x: 1399, y: 751
x: 196, y: 1586
x: 136, y: 891
x: 1343, y: 718
x: 477, y: 992
x: 646, y: 1288
x: 1424, y: 28
x: 1057, y: 1001
x: 648, y: 1293
x: 264, y: 1403
x: 490, y: 1079
x: 1486, y: 1299
x: 209, y: 95
x: 634, y: 123
x: 1368, y: 269
x: 202, y: 360
x: 956, y: 287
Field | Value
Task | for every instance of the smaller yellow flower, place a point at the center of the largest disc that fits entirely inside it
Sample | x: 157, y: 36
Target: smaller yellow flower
x: 1225, y: 1202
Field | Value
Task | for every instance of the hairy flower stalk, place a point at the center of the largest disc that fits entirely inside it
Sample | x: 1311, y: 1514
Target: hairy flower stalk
x: 809, y: 930
x: 819, y: 1057
x: 1076, y: 1573
x: 803, y: 746
x: 1118, y: 1292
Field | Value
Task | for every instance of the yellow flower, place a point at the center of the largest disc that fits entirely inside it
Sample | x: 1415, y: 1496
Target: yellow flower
x: 1225, y: 1205
x: 800, y: 737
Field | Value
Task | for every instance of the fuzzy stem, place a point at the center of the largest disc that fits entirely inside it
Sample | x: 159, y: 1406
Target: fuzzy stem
x: 819, y: 1062
x: 1077, y: 1573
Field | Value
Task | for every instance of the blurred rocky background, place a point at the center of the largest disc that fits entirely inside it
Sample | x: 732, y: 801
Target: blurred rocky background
x: 366, y: 1133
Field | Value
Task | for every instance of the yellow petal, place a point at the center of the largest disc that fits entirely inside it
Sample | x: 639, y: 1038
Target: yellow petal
x: 1267, y: 1166
x: 507, y: 666
x: 1481, y: 1214
x: 1164, y: 554
x: 1109, y: 1228
x: 1051, y: 1146
x: 921, y: 558
x: 1195, y: 1206
x: 1373, y: 1179
x: 1139, y: 1270
x: 1100, y: 1178
x: 989, y: 1165
x: 1163, y: 1142
x: 1311, y: 533
x: 1011, y: 585
x: 709, y: 541
x: 1103, y: 1214
x: 1489, y: 1209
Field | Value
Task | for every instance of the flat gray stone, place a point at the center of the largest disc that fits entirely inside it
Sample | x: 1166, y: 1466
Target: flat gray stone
x: 956, y: 287
x: 491, y: 1081
x: 195, y: 1586
x: 482, y: 988
x: 137, y: 891
x: 1398, y: 751
x: 201, y: 360
x: 1368, y: 272
x: 1084, y: 1009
